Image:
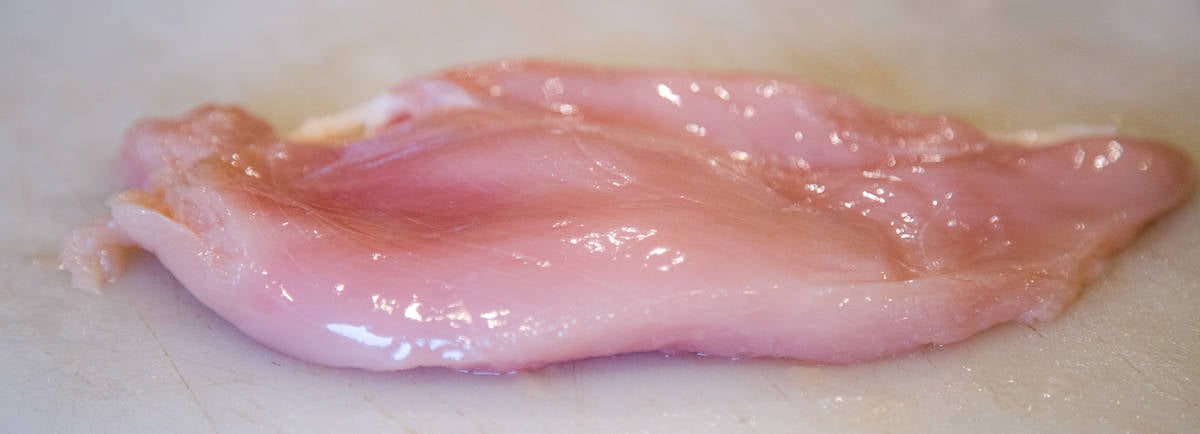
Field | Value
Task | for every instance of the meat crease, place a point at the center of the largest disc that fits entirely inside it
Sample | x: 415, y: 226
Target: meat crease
x: 509, y: 215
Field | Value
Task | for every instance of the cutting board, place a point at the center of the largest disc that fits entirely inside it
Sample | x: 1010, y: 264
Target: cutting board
x: 147, y: 357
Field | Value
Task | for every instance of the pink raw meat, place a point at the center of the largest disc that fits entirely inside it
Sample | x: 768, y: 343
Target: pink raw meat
x: 509, y: 215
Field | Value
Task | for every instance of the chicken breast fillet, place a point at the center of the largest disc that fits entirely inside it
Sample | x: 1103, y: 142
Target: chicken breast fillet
x: 509, y: 215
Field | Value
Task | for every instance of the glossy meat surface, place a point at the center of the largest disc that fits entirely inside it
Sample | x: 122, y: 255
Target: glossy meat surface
x: 514, y: 214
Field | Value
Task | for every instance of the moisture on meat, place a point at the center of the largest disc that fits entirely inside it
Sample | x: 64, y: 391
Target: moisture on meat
x: 513, y: 214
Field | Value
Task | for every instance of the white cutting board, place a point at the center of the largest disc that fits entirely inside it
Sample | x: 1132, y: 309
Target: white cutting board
x: 147, y: 357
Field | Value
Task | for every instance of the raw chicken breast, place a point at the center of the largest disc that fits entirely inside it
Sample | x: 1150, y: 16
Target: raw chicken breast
x: 515, y: 214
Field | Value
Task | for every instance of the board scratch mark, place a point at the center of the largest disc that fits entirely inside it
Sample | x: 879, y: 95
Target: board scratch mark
x: 458, y: 412
x: 1035, y: 330
x: 575, y: 395
x: 212, y: 425
x: 389, y: 415
x: 778, y: 390
x: 1154, y: 384
x: 929, y: 361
